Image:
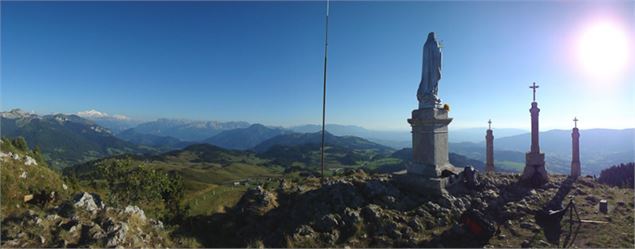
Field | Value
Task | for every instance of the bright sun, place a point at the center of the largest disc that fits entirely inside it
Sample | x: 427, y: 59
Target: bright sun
x: 603, y: 50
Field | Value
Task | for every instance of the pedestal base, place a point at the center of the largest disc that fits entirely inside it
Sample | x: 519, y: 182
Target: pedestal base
x: 429, y: 170
x: 433, y: 186
x: 535, y: 172
x: 430, y: 143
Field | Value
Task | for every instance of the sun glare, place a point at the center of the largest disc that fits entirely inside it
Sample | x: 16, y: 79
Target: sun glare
x: 603, y: 50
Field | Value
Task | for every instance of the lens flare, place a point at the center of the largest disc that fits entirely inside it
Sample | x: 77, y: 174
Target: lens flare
x: 603, y: 50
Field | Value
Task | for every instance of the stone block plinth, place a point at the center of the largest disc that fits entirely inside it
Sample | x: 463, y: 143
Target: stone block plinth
x: 535, y: 172
x: 430, y: 142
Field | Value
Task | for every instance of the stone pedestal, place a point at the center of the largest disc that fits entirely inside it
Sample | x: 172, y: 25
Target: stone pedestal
x: 489, y: 153
x: 535, y: 172
x: 430, y: 143
x: 575, y: 153
x: 433, y: 186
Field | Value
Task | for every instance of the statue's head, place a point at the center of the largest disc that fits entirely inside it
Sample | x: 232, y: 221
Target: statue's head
x: 432, y: 40
x: 432, y: 36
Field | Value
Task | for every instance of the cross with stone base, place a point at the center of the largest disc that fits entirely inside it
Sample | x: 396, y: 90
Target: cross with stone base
x: 575, y: 122
x: 534, y: 86
x: 490, y: 124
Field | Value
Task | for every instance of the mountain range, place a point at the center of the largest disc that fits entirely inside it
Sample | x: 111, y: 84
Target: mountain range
x: 593, y: 142
x: 69, y: 139
x: 192, y: 130
x: 477, y: 135
x: 65, y: 139
x: 348, y: 142
x: 599, y: 148
x: 186, y: 130
x: 401, y: 138
x: 162, y: 143
x: 245, y: 138
x: 115, y: 123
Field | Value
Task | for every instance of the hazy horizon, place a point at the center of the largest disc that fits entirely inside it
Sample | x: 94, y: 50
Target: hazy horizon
x: 132, y: 119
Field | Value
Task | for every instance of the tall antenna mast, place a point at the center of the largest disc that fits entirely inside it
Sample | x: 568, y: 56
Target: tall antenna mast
x: 326, y: 46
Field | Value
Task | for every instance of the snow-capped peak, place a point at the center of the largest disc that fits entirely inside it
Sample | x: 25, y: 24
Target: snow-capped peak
x: 94, y: 114
x: 16, y: 113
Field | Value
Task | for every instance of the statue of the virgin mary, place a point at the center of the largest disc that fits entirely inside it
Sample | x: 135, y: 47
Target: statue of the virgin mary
x: 431, y: 73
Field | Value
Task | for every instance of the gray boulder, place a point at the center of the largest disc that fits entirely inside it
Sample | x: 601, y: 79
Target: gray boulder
x: 117, y: 234
x: 156, y: 224
x: 89, y: 202
x: 135, y: 211
x: 28, y: 161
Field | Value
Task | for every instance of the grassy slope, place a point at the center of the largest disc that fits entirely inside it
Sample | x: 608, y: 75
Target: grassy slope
x: 209, y: 174
x: 209, y: 188
x: 335, y: 158
x: 38, y: 178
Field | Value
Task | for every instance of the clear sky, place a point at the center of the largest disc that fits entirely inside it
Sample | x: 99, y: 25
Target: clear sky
x: 262, y: 61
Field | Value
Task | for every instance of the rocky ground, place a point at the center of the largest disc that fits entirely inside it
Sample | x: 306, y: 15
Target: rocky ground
x: 40, y: 209
x: 83, y: 221
x: 360, y: 210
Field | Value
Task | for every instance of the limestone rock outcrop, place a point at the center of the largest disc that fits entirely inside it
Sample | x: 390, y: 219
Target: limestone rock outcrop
x: 83, y: 221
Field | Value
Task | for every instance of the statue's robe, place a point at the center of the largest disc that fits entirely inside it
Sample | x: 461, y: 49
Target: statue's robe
x: 431, y: 72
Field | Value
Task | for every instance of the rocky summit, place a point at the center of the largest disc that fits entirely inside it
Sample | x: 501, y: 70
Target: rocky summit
x: 83, y: 221
x: 360, y: 210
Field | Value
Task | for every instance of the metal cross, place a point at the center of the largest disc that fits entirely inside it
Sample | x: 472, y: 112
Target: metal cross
x: 534, y: 86
x: 490, y: 124
x: 575, y: 122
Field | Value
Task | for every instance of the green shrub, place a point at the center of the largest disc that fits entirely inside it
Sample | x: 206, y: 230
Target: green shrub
x: 157, y: 192
x: 20, y: 143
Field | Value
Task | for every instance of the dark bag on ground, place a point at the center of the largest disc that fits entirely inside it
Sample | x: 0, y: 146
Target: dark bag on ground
x: 477, y: 224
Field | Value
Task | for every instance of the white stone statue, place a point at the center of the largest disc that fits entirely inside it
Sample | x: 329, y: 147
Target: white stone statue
x: 431, y: 73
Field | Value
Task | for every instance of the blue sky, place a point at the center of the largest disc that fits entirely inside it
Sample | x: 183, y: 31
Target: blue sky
x: 262, y: 61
